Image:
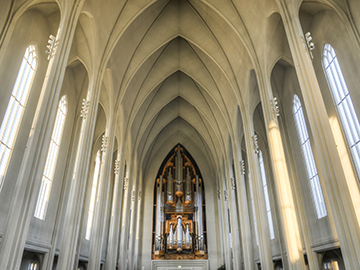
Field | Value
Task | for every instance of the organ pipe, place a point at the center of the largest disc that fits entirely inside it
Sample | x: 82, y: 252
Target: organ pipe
x: 179, y: 232
x: 179, y: 174
x: 171, y: 236
x: 158, y: 215
x: 170, y: 191
x: 187, y: 187
x: 187, y: 236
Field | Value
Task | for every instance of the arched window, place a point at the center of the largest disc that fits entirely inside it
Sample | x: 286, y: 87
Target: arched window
x: 266, y: 194
x: 93, y: 195
x: 51, y: 159
x: 343, y: 103
x: 15, y: 109
x: 309, y: 160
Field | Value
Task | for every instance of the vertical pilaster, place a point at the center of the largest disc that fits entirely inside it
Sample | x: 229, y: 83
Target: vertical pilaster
x: 234, y: 225
x: 333, y: 178
x: 98, y: 225
x: 114, y: 231
x: 133, y: 221
x: 245, y: 229
x: 225, y: 218
x: 262, y: 226
x: 29, y: 180
x: 125, y: 223
x: 289, y: 222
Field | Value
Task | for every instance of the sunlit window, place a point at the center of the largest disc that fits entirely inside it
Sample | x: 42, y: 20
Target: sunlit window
x: 342, y: 100
x: 266, y: 194
x: 50, y: 165
x: 309, y: 160
x: 15, y: 109
x: 93, y: 195
x: 253, y: 210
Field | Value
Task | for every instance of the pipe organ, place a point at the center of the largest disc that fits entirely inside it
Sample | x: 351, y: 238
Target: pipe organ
x: 179, y: 221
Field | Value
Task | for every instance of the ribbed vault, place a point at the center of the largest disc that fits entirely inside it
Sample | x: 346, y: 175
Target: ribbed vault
x: 180, y: 76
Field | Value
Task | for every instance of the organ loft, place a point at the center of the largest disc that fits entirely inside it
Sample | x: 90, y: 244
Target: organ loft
x: 179, y: 230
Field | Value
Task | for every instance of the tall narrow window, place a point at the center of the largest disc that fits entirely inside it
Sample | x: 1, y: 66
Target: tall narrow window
x: 343, y: 102
x: 93, y: 195
x: 15, y: 109
x: 266, y: 194
x: 253, y: 210
x: 50, y: 165
x: 309, y: 160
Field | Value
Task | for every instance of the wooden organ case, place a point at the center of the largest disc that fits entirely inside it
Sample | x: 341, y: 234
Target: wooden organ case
x: 179, y: 227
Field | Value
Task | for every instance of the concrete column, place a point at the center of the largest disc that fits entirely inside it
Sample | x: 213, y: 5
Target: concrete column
x: 125, y: 222
x: 224, y: 196
x: 245, y: 229
x: 234, y: 219
x: 342, y: 192
x: 289, y: 222
x: 139, y: 227
x: 73, y: 213
x: 134, y: 231
x: 262, y: 225
x: 313, y: 260
x: 99, y: 221
x: 133, y: 222
x: 114, y: 231
x: 29, y: 180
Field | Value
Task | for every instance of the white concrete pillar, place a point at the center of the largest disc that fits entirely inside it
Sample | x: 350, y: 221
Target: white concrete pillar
x: 234, y: 219
x: 245, y: 228
x: 333, y: 179
x: 101, y: 201
x: 133, y: 220
x: 223, y: 200
x: 125, y: 221
x: 29, y: 180
x: 114, y: 230
x: 262, y: 226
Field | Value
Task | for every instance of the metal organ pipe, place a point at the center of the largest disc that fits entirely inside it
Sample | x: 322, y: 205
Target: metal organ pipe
x: 200, y: 213
x: 187, y: 236
x: 196, y: 202
x: 158, y: 215
x: 171, y: 236
x: 179, y: 173
x: 187, y: 187
x: 179, y: 232
x: 170, y: 191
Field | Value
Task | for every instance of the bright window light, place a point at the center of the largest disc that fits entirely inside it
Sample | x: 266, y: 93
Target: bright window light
x: 93, y: 195
x: 266, y: 194
x: 15, y: 109
x: 343, y: 103
x: 50, y: 165
x: 309, y: 160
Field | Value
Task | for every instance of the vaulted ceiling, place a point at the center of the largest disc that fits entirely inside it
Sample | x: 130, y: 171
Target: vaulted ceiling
x: 178, y: 70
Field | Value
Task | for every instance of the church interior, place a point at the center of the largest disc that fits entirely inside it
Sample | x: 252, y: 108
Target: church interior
x: 168, y: 134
